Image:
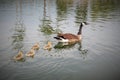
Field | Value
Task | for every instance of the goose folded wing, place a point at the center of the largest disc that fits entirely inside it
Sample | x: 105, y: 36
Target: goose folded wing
x: 68, y: 36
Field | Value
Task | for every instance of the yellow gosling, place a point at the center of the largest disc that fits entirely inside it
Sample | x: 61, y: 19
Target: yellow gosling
x: 48, y: 46
x: 36, y: 46
x: 31, y: 53
x: 19, y: 56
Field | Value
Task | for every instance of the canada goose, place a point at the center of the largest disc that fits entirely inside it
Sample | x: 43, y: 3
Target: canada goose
x: 48, y: 46
x: 31, y: 53
x: 36, y: 46
x: 19, y: 56
x: 68, y: 37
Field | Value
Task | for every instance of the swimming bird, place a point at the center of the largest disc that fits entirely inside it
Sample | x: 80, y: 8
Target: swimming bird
x: 36, y: 46
x: 31, y: 53
x: 19, y: 56
x: 48, y: 46
x: 69, y: 37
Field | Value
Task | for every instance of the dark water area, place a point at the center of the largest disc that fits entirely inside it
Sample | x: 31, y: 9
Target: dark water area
x: 25, y: 22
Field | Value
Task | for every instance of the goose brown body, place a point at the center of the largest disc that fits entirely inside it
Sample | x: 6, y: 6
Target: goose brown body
x: 69, y: 37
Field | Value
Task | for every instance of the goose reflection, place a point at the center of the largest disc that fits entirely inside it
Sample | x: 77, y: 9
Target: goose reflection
x: 83, y: 52
x: 62, y: 46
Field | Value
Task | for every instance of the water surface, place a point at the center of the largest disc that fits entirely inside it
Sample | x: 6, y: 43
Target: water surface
x: 25, y: 22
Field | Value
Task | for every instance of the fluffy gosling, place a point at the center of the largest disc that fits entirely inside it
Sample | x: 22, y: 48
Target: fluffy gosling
x: 48, y: 46
x: 31, y: 53
x: 19, y: 56
x: 36, y: 46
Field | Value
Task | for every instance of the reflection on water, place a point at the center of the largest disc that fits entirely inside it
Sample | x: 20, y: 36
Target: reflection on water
x: 19, y: 29
x: 83, y: 52
x: 101, y: 11
x: 45, y: 27
x: 67, y: 46
x: 25, y: 22
x: 62, y: 8
x: 61, y: 45
x: 81, y: 11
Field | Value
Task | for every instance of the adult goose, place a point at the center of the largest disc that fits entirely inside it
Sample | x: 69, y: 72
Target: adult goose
x: 69, y: 37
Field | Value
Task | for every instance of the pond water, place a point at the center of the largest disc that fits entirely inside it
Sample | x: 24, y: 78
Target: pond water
x: 25, y: 22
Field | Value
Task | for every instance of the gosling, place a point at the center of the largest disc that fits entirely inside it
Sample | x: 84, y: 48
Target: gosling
x: 19, y: 56
x: 48, y: 46
x: 31, y: 53
x: 36, y: 46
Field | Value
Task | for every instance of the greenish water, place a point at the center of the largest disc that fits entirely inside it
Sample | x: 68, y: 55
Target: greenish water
x: 25, y: 22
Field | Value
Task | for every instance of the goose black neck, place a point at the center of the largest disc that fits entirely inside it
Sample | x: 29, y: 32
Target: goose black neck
x: 80, y: 29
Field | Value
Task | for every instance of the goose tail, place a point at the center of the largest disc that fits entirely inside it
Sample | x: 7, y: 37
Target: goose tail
x: 58, y: 38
